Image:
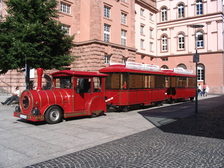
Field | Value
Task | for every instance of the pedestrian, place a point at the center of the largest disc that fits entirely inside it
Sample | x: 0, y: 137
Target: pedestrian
x: 206, y: 90
x: 14, y: 97
x: 199, y: 89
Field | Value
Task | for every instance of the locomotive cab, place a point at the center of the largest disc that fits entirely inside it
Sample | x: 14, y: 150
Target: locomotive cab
x: 73, y: 93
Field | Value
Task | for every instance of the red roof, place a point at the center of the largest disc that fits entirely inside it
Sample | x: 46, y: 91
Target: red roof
x: 77, y: 73
x: 122, y: 68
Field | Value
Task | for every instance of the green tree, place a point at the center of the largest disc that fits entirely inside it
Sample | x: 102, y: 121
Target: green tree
x: 31, y: 34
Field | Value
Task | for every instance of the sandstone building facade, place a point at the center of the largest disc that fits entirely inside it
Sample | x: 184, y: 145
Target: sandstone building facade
x: 145, y: 31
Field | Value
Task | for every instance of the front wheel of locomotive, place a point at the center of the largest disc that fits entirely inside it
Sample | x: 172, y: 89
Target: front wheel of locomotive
x: 53, y: 115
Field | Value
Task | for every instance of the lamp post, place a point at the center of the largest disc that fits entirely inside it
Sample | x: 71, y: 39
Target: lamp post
x: 196, y: 60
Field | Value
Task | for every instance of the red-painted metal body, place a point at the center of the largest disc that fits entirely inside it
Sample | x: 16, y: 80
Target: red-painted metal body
x: 128, y: 96
x: 72, y: 101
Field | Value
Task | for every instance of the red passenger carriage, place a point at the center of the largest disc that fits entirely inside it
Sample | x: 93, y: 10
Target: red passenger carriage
x: 142, y: 84
x: 73, y: 93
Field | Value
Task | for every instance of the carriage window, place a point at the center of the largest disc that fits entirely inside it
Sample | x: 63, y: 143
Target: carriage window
x: 63, y: 82
x: 97, y: 84
x: 152, y: 82
x: 160, y: 81
x: 136, y: 81
x: 83, y: 85
x: 181, y: 81
x: 113, y: 81
x: 167, y: 82
x: 191, y: 82
x: 173, y: 81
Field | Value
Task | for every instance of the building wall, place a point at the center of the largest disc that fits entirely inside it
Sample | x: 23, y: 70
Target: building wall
x: 211, y: 54
x: 145, y: 28
x: 86, y: 22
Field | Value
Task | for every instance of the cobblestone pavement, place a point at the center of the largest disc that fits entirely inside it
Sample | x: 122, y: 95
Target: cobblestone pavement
x: 195, y: 141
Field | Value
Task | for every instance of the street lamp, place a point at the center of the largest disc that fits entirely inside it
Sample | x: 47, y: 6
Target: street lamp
x: 196, y: 60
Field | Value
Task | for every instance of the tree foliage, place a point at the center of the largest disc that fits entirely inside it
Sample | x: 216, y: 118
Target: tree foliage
x: 31, y: 34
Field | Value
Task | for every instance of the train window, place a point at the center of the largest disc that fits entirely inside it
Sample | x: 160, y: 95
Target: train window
x: 97, y: 84
x: 136, y: 81
x: 63, y: 82
x: 191, y: 82
x: 113, y: 81
x: 173, y: 82
x: 160, y: 81
x: 167, y: 82
x: 124, y: 79
x: 83, y: 85
x: 152, y: 81
x: 181, y: 82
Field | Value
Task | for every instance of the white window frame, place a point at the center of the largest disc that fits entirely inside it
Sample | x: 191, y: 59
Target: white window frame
x: 164, y: 44
x: 123, y: 37
x: 142, y: 43
x: 164, y: 14
x: 151, y: 46
x: 181, y: 10
x: 106, y: 36
x: 199, y: 43
x: 123, y: 18
x: 107, y: 59
x: 107, y: 11
x: 66, y: 28
x: 200, y: 73
x: 199, y: 7
x: 65, y: 8
x: 142, y: 29
x: 142, y: 11
x: 181, y: 42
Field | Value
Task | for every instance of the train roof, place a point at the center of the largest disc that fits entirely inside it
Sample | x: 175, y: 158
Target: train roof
x: 77, y: 73
x: 146, y: 69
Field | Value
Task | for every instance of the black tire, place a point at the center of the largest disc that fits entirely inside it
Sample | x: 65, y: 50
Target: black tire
x: 53, y: 115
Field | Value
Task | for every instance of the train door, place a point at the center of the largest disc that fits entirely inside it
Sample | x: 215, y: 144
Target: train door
x: 81, y: 94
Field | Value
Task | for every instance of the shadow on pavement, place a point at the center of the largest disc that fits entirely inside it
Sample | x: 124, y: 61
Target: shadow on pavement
x: 181, y: 118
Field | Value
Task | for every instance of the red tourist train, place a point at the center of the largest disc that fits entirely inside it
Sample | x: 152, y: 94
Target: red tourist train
x: 77, y: 93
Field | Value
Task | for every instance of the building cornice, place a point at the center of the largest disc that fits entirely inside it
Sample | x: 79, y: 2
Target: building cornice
x: 95, y: 41
x: 147, y: 5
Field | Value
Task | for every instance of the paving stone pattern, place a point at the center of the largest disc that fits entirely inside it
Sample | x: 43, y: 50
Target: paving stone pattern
x: 196, y: 141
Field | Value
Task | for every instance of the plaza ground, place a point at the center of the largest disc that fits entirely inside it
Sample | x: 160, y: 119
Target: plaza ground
x: 166, y: 136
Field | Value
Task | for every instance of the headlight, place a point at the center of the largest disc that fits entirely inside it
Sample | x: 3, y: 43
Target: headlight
x: 35, y: 111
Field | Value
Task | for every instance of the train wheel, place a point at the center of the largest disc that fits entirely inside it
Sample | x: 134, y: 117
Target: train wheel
x: 192, y: 99
x: 53, y: 115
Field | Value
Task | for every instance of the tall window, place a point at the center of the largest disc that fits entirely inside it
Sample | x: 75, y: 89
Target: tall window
x: 123, y: 18
x: 142, y: 12
x: 199, y: 39
x: 151, y: 33
x: 164, y: 14
x: 142, y: 29
x: 199, y: 7
x: 66, y: 28
x: 142, y: 44
x: 65, y: 8
x: 201, y: 72
x: 107, y: 11
x: 107, y: 59
x: 181, y: 42
x: 180, y: 10
x: 151, y: 46
x: 106, y: 32
x: 123, y: 37
x: 164, y: 43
